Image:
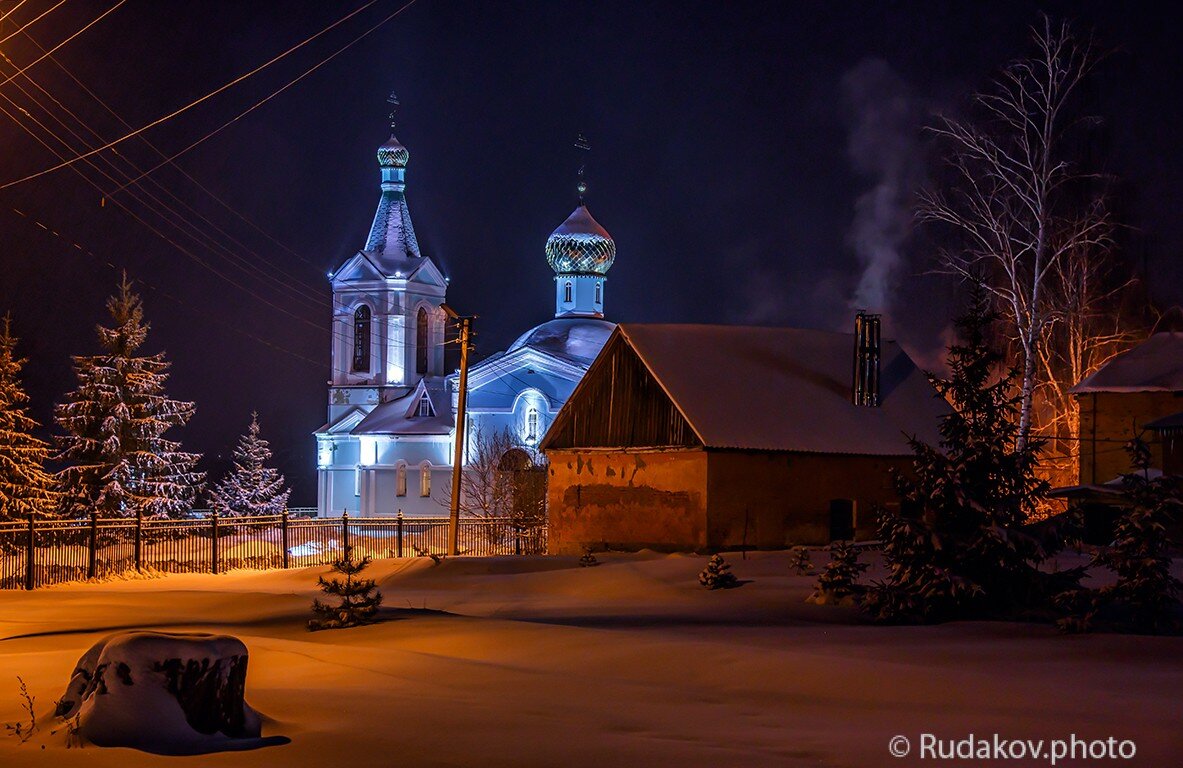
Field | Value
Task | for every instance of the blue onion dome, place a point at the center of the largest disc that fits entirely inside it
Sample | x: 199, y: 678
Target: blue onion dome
x: 393, y: 154
x: 580, y: 246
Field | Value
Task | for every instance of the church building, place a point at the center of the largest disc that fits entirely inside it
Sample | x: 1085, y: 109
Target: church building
x: 388, y: 444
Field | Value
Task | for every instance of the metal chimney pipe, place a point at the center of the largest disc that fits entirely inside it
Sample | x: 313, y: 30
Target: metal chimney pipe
x: 865, y: 384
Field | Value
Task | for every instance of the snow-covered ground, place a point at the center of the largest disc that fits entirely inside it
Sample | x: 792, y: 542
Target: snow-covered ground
x: 537, y: 662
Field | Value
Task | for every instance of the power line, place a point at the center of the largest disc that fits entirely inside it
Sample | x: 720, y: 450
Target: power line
x: 313, y: 296
x: 268, y: 98
x: 29, y: 23
x: 66, y: 163
x: 175, y: 166
x: 33, y: 63
x: 6, y: 15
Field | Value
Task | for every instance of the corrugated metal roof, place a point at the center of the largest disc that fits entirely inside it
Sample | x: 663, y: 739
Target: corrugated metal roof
x: 1155, y: 365
x: 785, y: 389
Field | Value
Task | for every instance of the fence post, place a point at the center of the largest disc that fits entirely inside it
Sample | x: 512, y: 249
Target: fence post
x: 400, y: 533
x: 139, y: 540
x: 517, y: 540
x: 214, y: 541
x: 344, y: 532
x: 93, y: 545
x: 283, y: 528
x: 29, y: 555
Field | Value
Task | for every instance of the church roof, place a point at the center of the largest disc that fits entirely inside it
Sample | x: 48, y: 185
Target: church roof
x: 392, y: 245
x: 400, y: 417
x: 779, y: 389
x: 577, y: 339
x: 1155, y: 365
x: 580, y: 245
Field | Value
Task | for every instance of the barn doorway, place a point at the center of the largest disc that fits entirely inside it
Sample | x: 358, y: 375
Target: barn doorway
x: 842, y: 520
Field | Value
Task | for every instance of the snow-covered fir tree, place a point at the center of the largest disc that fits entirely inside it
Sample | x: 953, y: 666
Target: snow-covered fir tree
x: 838, y: 583
x: 1145, y: 597
x: 717, y: 574
x: 251, y: 487
x: 26, y: 488
x: 958, y: 545
x: 113, y: 425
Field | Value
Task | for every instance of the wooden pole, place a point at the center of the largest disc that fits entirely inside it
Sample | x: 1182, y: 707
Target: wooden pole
x: 458, y: 453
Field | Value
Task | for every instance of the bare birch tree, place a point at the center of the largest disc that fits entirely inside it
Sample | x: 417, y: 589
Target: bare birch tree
x: 1085, y: 329
x: 502, y: 481
x: 1018, y: 204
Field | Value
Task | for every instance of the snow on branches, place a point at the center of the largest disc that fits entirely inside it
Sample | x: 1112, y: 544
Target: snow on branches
x: 113, y: 425
x: 25, y: 487
x: 251, y: 487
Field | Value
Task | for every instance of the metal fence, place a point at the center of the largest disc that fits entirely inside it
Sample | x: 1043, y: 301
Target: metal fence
x: 37, y: 553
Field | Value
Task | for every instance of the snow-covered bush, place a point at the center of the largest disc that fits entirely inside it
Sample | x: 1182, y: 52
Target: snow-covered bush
x: 358, y: 599
x: 717, y: 574
x: 588, y: 560
x: 838, y: 582
x: 799, y: 561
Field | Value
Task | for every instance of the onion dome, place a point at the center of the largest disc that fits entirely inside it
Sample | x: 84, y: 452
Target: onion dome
x: 392, y: 154
x: 580, y: 246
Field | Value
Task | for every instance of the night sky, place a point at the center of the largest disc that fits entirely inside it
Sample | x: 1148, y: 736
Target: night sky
x: 735, y: 146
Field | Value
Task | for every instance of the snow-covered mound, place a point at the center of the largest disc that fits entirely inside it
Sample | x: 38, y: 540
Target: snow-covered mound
x: 171, y: 693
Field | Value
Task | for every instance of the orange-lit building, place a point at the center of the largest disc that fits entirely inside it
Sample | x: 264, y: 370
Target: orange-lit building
x: 703, y: 437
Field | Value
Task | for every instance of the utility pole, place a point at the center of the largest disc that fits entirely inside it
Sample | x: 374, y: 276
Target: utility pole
x: 461, y: 410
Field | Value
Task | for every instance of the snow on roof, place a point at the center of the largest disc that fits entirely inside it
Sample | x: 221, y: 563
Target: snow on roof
x: 401, y: 416
x: 1155, y: 365
x: 785, y: 389
x: 578, y: 339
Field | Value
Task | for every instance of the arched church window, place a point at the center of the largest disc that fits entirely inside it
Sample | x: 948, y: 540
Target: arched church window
x: 425, y: 480
x: 400, y: 480
x: 567, y: 293
x: 421, y: 341
x: 598, y: 293
x: 361, y: 340
x: 532, y: 425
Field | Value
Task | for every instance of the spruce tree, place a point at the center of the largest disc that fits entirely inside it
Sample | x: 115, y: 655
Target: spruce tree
x: 838, y: 582
x: 358, y: 599
x: 958, y: 545
x: 251, y: 487
x: 799, y: 561
x: 717, y: 574
x: 113, y: 424
x: 1145, y: 597
x: 25, y: 486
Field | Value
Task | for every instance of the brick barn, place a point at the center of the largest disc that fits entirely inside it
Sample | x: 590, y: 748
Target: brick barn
x: 707, y: 437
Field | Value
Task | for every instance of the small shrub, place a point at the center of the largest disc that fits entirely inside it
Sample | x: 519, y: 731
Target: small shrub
x: 838, y: 583
x: 20, y: 730
x: 799, y: 561
x: 588, y: 560
x: 717, y: 574
x: 358, y: 599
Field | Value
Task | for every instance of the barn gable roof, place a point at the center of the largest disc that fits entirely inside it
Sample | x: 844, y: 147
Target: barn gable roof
x: 1155, y: 365
x: 780, y: 389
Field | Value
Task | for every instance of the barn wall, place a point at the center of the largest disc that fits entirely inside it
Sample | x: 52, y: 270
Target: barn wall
x: 784, y: 498
x: 1113, y: 418
x: 627, y: 500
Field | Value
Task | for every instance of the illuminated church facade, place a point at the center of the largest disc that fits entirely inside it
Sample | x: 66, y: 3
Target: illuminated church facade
x: 388, y: 443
